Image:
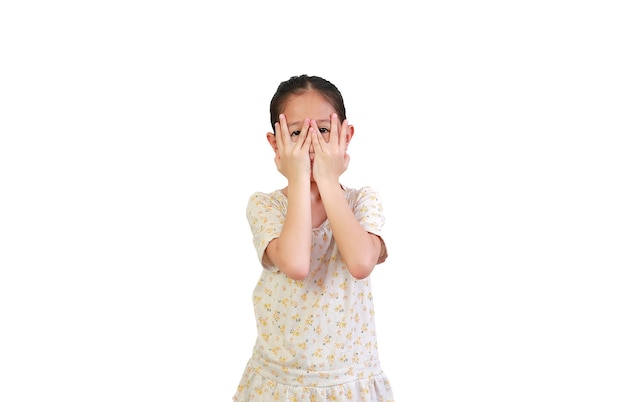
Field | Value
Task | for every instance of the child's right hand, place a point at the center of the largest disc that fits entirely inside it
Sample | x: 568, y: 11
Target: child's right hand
x: 292, y: 157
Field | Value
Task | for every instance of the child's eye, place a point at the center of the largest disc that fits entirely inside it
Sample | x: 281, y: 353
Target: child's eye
x: 324, y: 130
x: 295, y: 133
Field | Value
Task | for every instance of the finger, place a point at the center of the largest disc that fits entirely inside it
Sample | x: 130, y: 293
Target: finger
x: 315, y: 139
x: 304, y: 133
x: 309, y: 135
x: 343, y: 138
x: 334, y: 129
x: 279, y: 137
x: 315, y: 132
x: 284, y: 129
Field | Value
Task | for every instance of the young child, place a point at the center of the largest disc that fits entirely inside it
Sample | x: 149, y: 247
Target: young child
x: 317, y: 241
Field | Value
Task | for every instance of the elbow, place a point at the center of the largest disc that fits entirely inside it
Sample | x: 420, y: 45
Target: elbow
x: 361, y: 270
x: 362, y: 267
x: 296, y: 272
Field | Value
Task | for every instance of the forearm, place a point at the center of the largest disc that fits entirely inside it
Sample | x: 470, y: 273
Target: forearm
x: 291, y: 251
x: 359, y: 249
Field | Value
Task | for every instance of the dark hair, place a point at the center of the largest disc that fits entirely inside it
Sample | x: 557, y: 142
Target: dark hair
x: 299, y: 84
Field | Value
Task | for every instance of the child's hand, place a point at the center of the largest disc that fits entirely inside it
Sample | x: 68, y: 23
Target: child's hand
x: 292, y: 158
x: 331, y: 159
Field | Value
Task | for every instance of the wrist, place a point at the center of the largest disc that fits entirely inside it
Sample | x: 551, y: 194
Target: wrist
x: 327, y: 184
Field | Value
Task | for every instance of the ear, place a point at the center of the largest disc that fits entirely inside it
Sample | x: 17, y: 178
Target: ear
x: 349, y: 135
x: 271, y: 138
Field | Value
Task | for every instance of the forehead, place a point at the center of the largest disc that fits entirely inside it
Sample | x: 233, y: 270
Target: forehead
x: 308, y: 104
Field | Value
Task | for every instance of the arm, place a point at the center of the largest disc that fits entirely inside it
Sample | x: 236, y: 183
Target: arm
x: 291, y: 251
x: 360, y: 249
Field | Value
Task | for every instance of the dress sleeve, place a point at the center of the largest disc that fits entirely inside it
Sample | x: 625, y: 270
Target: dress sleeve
x: 266, y: 220
x: 369, y: 212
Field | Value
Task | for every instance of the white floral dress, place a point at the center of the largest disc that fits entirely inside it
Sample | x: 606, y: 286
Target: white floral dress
x: 316, y: 337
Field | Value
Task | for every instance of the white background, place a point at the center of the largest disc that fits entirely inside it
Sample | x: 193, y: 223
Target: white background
x: 132, y: 133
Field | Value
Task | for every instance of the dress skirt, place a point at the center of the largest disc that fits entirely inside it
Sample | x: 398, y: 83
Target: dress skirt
x: 263, y: 381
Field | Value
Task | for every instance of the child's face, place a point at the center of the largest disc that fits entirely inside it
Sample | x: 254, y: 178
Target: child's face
x: 312, y: 105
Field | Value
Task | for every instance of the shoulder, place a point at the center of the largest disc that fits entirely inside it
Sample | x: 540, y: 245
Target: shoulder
x: 262, y: 199
x: 361, y: 193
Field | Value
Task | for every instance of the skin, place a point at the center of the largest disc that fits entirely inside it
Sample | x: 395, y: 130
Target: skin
x: 312, y: 161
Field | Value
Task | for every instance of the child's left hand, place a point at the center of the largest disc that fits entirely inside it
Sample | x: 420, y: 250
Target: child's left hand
x: 331, y: 159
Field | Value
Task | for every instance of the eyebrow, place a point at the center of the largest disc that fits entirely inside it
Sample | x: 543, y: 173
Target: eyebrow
x: 299, y: 123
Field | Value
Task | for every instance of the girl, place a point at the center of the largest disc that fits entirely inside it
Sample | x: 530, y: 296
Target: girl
x: 317, y: 241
